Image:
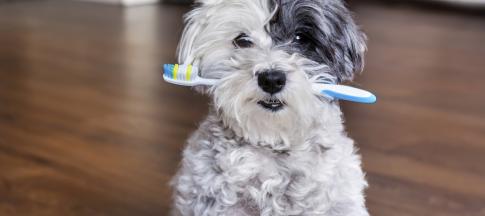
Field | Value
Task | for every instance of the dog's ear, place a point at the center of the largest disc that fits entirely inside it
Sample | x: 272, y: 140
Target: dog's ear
x: 352, y: 52
x: 189, y: 48
x: 193, y: 27
x: 349, y: 44
x: 195, y: 22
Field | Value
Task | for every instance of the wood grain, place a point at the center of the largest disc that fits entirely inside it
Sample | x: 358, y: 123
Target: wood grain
x: 87, y: 127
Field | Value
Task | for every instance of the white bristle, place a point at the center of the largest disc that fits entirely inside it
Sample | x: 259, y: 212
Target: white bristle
x: 183, y: 72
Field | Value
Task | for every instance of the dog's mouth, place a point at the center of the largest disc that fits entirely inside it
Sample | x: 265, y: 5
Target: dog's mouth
x: 272, y: 104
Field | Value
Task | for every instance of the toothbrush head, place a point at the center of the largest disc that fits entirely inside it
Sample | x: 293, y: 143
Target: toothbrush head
x: 185, y: 75
x: 179, y: 72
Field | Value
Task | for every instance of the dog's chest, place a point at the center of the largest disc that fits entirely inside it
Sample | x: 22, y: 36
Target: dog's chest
x: 275, y: 176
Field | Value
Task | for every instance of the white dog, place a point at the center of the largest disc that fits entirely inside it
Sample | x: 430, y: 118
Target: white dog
x: 271, y: 146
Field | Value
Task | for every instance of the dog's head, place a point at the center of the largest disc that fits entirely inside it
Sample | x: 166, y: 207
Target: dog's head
x: 267, y: 54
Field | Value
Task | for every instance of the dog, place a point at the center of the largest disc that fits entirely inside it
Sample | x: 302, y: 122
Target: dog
x: 270, y: 145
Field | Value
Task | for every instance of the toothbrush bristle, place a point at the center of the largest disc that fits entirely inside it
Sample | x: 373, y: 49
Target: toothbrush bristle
x: 188, y: 73
x: 176, y: 72
x: 180, y: 72
x: 168, y: 70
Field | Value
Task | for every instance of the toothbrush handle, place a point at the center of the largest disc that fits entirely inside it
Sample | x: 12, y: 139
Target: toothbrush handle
x: 206, y: 82
x: 345, y: 93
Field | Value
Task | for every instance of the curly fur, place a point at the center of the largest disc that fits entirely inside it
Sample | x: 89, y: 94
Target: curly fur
x: 246, y: 160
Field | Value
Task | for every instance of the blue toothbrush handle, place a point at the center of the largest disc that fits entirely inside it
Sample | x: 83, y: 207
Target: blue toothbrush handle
x: 347, y: 93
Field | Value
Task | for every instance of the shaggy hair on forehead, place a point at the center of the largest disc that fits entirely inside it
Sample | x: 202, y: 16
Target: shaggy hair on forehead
x: 247, y: 159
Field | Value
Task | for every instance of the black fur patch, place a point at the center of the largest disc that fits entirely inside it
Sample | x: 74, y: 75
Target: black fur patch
x: 321, y: 30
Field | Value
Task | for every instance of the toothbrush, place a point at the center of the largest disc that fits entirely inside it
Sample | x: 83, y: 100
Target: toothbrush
x: 187, y: 75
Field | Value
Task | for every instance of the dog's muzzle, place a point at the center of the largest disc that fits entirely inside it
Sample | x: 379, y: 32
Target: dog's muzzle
x: 272, y: 82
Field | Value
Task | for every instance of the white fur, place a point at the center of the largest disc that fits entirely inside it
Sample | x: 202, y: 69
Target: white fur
x: 245, y: 160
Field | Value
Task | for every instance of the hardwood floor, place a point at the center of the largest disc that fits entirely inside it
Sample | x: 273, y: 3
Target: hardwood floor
x: 87, y: 127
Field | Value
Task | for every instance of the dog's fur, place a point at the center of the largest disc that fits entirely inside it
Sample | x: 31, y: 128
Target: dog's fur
x: 247, y: 160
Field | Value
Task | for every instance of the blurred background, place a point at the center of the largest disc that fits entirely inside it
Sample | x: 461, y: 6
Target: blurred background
x: 87, y: 127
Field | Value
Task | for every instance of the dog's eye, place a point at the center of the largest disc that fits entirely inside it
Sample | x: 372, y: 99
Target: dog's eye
x: 301, y: 38
x: 242, y: 41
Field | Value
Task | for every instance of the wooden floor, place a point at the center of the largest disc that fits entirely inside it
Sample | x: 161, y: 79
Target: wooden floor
x: 87, y: 127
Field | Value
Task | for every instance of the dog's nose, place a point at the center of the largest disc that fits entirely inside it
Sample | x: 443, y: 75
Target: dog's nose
x: 272, y: 81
